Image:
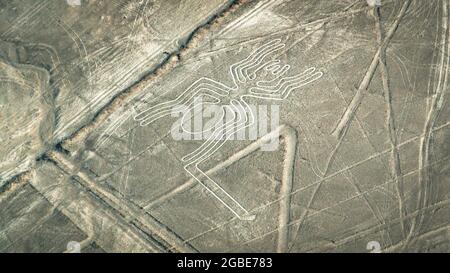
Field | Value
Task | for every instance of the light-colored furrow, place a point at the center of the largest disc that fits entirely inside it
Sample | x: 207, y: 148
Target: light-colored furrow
x: 110, y: 231
x: 346, y: 119
x: 435, y: 107
x: 129, y: 210
x: 394, y: 162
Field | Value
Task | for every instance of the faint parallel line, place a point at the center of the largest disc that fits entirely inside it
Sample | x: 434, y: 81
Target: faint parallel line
x: 324, y: 179
x: 436, y: 106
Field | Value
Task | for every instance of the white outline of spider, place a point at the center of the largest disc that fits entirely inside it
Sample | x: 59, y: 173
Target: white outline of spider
x: 243, y: 73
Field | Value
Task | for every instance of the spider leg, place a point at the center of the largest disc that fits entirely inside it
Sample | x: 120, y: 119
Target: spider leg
x: 236, y: 69
x: 257, y: 62
x: 245, y: 118
x: 274, y: 88
x: 219, y: 193
x: 214, y: 144
x: 277, y: 71
x: 268, y: 65
x: 202, y: 87
x: 214, y: 139
x: 286, y: 85
x: 298, y: 84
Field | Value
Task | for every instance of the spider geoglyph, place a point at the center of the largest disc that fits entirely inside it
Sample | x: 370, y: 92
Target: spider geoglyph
x: 256, y: 76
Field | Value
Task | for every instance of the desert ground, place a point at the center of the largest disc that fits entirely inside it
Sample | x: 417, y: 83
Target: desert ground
x: 356, y: 91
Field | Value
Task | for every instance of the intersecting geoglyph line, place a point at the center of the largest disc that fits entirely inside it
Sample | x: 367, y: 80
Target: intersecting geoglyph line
x: 256, y: 76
